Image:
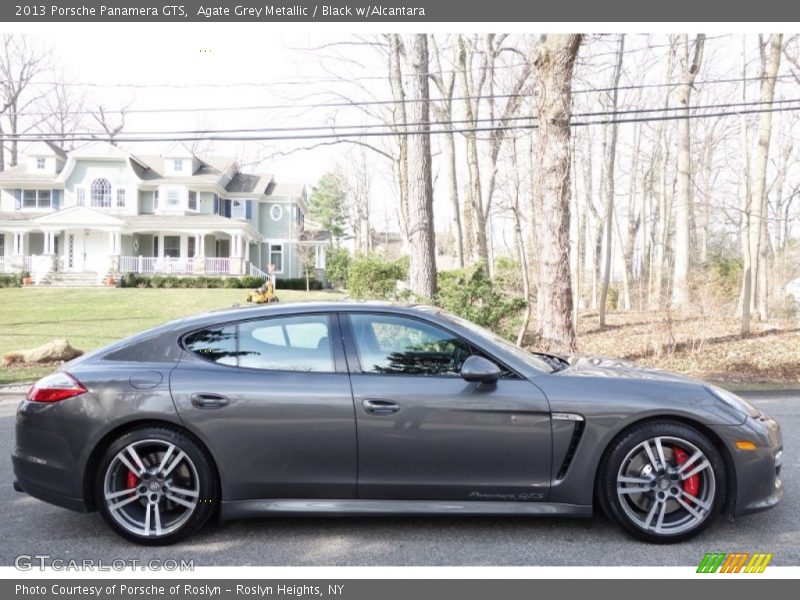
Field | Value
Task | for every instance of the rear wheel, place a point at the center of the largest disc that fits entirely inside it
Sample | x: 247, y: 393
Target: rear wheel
x: 663, y: 482
x: 156, y: 486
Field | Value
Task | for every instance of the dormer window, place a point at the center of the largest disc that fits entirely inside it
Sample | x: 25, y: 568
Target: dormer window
x: 101, y: 193
x: 40, y: 164
x: 178, y: 165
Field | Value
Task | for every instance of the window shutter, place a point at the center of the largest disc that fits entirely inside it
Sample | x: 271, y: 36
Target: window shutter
x: 248, y: 209
x: 55, y: 198
x: 216, y: 204
x: 228, y: 208
x: 155, y: 199
x: 17, y: 199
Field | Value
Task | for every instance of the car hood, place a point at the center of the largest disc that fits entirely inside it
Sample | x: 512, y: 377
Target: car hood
x: 581, y: 365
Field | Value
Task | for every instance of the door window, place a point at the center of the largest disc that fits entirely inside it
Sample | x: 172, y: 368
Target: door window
x: 299, y: 343
x: 286, y: 344
x: 389, y: 344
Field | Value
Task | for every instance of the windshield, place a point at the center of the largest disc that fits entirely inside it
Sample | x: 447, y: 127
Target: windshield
x: 533, y: 360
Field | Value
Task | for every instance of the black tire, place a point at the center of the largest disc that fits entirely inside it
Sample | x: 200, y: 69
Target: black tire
x: 629, y: 441
x: 207, y: 483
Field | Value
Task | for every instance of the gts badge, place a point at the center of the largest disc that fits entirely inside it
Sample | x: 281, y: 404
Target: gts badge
x: 524, y: 496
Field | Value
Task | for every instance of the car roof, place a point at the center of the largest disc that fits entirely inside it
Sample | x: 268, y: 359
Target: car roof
x: 256, y: 310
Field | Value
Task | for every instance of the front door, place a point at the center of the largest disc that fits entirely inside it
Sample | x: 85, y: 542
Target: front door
x: 75, y: 250
x: 271, y: 397
x: 425, y: 433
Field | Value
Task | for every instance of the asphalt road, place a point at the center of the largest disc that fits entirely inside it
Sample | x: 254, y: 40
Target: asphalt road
x: 28, y: 526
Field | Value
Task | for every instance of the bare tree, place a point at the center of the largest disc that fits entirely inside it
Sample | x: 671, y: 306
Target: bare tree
x: 554, y: 62
x: 689, y: 66
x: 758, y: 202
x: 422, y: 267
x: 611, y: 177
x: 444, y: 113
x: 20, y: 64
x: 110, y: 129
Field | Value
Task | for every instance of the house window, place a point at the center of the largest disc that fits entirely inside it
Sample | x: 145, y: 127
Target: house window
x: 276, y: 257
x: 192, y: 200
x: 237, y: 209
x: 40, y: 164
x: 36, y: 199
x: 155, y: 245
x: 101, y: 193
x: 121, y: 198
x: 172, y: 246
x: 173, y: 197
x: 178, y: 164
x: 29, y: 199
x: 80, y: 196
x: 190, y: 246
x: 276, y: 212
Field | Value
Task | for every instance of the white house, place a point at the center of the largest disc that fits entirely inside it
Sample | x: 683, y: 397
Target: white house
x: 100, y: 209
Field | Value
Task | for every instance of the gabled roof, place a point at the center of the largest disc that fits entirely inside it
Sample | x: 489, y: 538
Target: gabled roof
x: 287, y: 190
x: 79, y: 215
x: 99, y: 149
x: 211, y: 170
x: 247, y: 183
x: 21, y: 174
x: 45, y: 148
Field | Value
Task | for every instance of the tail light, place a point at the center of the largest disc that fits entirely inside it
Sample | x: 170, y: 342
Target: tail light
x: 55, y: 387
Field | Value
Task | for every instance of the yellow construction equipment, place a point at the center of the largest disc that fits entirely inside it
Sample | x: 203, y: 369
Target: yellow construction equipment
x: 263, y: 295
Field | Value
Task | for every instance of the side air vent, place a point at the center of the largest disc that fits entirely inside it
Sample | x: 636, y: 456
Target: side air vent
x: 577, y: 433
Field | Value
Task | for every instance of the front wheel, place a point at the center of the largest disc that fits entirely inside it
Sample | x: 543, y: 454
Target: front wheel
x: 663, y: 482
x: 156, y: 486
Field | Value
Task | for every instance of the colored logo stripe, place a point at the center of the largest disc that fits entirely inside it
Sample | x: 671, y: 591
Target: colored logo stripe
x: 734, y: 562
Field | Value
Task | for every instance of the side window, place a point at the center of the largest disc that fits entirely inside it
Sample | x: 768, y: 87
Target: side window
x: 217, y: 344
x: 287, y: 344
x: 389, y: 344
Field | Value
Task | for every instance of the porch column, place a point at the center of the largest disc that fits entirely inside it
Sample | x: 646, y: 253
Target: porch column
x: 18, y: 254
x: 114, y: 249
x: 199, y: 264
x: 160, y: 245
x: 236, y: 260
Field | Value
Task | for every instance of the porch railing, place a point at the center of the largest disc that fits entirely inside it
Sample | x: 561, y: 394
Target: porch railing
x: 256, y: 272
x: 28, y: 262
x: 218, y: 266
x: 5, y: 264
x: 166, y: 265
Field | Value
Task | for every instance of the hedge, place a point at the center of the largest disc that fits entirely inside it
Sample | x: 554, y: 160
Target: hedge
x: 135, y: 280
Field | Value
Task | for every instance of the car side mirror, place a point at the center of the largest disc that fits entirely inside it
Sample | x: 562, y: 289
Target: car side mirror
x: 480, y: 370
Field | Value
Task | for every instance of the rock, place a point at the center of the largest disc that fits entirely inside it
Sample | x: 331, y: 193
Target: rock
x: 57, y: 350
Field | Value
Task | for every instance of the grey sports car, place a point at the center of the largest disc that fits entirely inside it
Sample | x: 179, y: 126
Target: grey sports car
x: 360, y: 408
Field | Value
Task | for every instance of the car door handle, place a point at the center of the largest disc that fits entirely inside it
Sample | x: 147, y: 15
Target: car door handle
x: 380, y: 407
x: 209, y: 400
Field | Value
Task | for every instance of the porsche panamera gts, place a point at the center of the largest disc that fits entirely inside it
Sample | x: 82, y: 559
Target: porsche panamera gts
x: 369, y: 409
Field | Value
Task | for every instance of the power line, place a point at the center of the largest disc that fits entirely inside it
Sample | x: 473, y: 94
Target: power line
x: 368, y: 126
x: 373, y: 134
x: 387, y: 102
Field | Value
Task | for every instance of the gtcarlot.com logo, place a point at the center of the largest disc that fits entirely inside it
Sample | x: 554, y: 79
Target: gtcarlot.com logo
x: 734, y: 562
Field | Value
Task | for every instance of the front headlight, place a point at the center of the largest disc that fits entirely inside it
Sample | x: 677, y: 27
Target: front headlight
x: 735, y: 402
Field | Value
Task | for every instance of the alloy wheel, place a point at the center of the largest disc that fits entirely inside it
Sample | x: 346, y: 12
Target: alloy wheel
x: 666, y: 485
x: 151, y: 488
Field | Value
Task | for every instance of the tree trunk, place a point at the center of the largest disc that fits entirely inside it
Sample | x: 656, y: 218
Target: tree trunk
x: 400, y: 121
x: 745, y: 298
x: 759, y: 201
x: 554, y: 62
x: 610, y: 162
x: 680, y: 282
x: 422, y: 267
x: 475, y: 198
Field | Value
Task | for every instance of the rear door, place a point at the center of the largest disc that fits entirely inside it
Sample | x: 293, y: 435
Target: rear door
x: 425, y: 433
x: 271, y: 397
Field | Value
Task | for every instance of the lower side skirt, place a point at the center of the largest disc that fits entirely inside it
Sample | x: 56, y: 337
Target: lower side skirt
x: 242, y: 509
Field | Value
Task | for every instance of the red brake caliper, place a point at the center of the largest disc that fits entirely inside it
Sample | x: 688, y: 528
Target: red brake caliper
x: 691, y: 485
x: 131, y: 480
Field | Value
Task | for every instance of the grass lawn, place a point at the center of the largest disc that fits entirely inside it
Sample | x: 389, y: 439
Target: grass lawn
x: 92, y: 317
